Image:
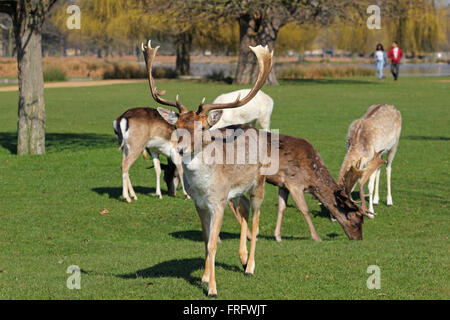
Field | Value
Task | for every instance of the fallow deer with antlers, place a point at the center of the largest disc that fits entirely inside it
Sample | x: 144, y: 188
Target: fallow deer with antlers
x: 375, y: 133
x: 212, y: 185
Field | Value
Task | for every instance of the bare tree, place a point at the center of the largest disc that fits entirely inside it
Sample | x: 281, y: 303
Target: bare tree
x: 259, y: 22
x: 28, y: 17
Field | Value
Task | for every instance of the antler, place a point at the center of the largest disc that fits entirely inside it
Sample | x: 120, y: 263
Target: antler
x: 351, y: 177
x: 371, y: 166
x: 149, y: 55
x: 265, y: 64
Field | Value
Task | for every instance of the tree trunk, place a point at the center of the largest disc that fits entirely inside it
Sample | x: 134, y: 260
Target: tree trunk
x: 247, y: 37
x: 268, y: 36
x: 31, y: 119
x: 10, y: 42
x: 254, y: 30
x: 184, y: 45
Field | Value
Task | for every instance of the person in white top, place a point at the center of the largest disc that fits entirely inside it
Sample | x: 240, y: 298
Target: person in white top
x: 380, y: 60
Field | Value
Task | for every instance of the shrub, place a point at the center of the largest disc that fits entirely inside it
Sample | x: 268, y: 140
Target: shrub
x: 130, y: 71
x: 54, y: 74
x: 324, y: 71
x: 219, y: 76
x: 164, y: 73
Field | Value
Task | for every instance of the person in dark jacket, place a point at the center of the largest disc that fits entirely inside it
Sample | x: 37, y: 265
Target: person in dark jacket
x: 395, y: 54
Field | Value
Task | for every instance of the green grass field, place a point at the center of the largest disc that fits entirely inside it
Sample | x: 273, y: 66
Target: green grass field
x: 152, y: 249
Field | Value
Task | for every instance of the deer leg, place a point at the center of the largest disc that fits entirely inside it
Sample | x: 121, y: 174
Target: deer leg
x: 257, y: 197
x: 300, y: 201
x: 177, y: 162
x: 234, y: 207
x: 127, y: 161
x: 241, y: 213
x: 157, y: 165
x: 205, y: 219
x: 376, y: 197
x: 217, y: 218
x: 390, y: 158
x: 371, y: 187
x: 283, y: 195
x: 264, y: 123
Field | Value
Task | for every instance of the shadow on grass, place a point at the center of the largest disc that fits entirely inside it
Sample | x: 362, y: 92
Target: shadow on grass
x: 432, y: 138
x: 194, y: 235
x: 177, y: 268
x: 116, y: 193
x: 56, y: 142
x: 327, y: 81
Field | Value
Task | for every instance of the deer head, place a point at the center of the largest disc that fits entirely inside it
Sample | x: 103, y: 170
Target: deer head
x: 353, y: 212
x: 195, y: 122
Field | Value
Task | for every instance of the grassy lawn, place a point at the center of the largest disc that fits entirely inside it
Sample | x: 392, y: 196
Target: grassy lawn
x: 152, y: 249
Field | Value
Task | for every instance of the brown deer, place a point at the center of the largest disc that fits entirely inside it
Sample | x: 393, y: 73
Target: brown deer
x: 302, y: 170
x: 375, y: 133
x: 143, y: 128
x: 212, y: 185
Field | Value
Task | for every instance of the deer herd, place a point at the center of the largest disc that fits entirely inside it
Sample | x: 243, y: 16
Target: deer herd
x: 240, y: 185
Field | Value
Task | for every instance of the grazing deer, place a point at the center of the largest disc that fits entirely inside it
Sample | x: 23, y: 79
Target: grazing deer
x: 140, y: 128
x: 377, y: 132
x: 302, y: 170
x: 212, y: 185
x: 257, y: 111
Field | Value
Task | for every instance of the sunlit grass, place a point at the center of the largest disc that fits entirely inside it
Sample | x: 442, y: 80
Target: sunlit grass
x: 152, y: 249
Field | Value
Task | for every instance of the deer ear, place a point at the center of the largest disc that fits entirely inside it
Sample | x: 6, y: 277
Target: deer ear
x: 214, y: 117
x: 168, y: 115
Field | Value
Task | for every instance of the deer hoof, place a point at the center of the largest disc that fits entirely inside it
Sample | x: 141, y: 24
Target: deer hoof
x: 212, y: 296
x: 278, y: 238
x: 376, y: 200
x: 389, y: 202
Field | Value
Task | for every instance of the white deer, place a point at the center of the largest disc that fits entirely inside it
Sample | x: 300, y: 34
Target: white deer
x: 377, y: 132
x: 256, y: 111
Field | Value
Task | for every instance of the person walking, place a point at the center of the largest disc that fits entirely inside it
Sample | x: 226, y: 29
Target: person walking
x: 380, y: 60
x: 395, y: 54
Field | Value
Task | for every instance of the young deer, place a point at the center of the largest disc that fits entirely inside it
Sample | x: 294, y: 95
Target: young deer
x: 302, y: 170
x: 256, y: 111
x: 377, y: 132
x: 211, y: 185
x: 138, y: 129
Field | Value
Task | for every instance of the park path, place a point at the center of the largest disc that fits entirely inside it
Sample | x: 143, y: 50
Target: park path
x: 75, y: 84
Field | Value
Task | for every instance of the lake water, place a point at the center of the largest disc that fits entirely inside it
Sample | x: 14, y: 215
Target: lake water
x: 406, y: 69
